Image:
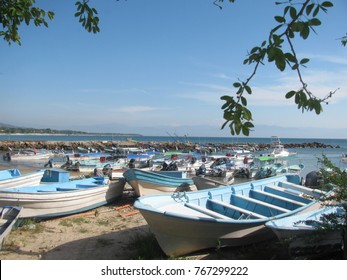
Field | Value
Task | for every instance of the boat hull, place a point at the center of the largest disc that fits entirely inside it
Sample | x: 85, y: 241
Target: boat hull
x: 60, y: 203
x: 147, y: 182
x: 29, y: 179
x: 233, y: 215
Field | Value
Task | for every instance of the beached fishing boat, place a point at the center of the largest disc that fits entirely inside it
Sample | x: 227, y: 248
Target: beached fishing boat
x: 148, y: 182
x: 234, y: 215
x: 14, y: 178
x: 8, y: 218
x: 311, y: 231
x: 60, y: 199
x: 207, y: 182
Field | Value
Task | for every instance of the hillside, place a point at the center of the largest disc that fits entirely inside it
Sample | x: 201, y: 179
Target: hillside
x: 11, y: 129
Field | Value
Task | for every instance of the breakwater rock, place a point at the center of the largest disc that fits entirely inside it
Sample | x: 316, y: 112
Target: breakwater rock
x: 102, y: 145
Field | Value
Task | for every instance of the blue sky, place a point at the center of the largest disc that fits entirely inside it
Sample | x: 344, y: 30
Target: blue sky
x: 160, y: 67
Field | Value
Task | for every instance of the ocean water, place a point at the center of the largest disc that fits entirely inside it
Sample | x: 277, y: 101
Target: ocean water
x: 307, y: 156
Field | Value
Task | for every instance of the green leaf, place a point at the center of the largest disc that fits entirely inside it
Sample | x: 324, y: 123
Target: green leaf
x: 305, y: 32
x: 247, y: 115
x: 249, y: 124
x: 314, y: 22
x: 292, y: 13
x: 290, y: 57
x: 224, y: 124
x: 309, y: 8
x: 327, y: 4
x: 316, y: 11
x: 290, y: 94
x: 248, y: 89
x: 245, y: 130
x: 304, y: 60
x: 243, y: 101
x: 280, y: 19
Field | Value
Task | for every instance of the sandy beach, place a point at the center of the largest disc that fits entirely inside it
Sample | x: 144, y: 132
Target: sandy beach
x: 101, y: 234
x: 113, y: 232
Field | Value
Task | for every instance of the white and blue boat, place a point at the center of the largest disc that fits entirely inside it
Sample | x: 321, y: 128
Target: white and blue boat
x: 311, y: 231
x: 13, y: 177
x: 147, y: 182
x: 235, y: 215
x: 63, y: 198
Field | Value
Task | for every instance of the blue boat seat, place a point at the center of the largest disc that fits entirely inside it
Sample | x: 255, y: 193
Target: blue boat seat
x: 236, y: 208
x: 277, y: 197
x: 281, y: 192
x: 301, y: 189
x: 206, y: 211
x: 65, y: 189
x: 259, y: 202
x: 80, y: 186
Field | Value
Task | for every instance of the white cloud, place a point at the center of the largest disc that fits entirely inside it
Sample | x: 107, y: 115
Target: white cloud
x: 137, y: 109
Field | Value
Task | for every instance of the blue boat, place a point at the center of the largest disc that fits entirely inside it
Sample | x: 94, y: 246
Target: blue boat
x: 148, y: 182
x: 233, y: 215
x: 311, y: 232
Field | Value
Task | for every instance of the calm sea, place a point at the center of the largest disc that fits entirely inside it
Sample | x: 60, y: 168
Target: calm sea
x: 307, y: 156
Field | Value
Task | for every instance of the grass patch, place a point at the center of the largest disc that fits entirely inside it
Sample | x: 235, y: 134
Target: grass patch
x: 31, y: 225
x: 65, y: 223
x: 103, y: 222
x: 146, y: 247
x: 83, y: 230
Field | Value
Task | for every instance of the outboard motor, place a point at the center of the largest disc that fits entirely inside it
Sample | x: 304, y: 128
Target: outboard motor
x: 107, y: 171
x: 7, y: 156
x: 172, y: 166
x: 201, y: 170
x: 131, y: 163
x: 313, y: 179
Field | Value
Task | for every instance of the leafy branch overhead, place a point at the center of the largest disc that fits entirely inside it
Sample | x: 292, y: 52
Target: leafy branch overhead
x: 15, y: 12
x: 298, y: 19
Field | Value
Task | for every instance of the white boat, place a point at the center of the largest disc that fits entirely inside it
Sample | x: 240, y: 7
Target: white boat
x: 28, y: 154
x: 207, y: 182
x: 278, y: 149
x: 311, y: 231
x: 233, y: 215
x: 8, y: 218
x: 60, y: 199
x: 148, y: 182
x: 14, y: 178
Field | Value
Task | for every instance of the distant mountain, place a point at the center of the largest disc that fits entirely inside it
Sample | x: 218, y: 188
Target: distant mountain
x: 5, y: 125
x: 10, y: 129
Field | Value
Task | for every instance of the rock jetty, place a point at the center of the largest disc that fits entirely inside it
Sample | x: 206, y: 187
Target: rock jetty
x: 101, y: 145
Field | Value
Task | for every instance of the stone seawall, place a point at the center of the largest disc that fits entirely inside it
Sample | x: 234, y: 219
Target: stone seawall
x: 101, y: 145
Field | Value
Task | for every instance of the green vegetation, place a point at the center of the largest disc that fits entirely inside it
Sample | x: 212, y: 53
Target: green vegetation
x: 7, y: 129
